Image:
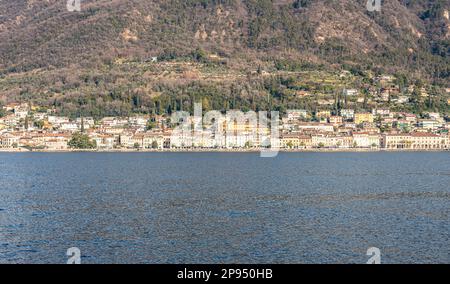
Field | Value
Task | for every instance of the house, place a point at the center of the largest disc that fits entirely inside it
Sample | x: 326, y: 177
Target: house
x: 295, y: 141
x: 55, y: 145
x: 396, y: 141
x: 69, y: 126
x: 375, y: 140
x: 403, y: 124
x: 402, y: 99
x: 20, y: 110
x: 385, y: 79
x: 26, y: 141
x: 137, y: 140
x: 323, y: 127
x: 434, y: 115
x: 9, y: 140
x: 290, y: 141
x: 350, y: 92
x: 126, y: 140
x: 366, y: 140
x: 305, y: 141
x: 345, y: 130
x: 347, y: 113
x: 57, y: 119
x: 332, y: 141
x: 446, y: 140
x: 429, y: 124
x: 381, y: 112
x: 21, y: 113
x: 153, y: 141
x: 388, y: 121
x: 370, y: 127
x: 328, y: 102
x: 364, y: 117
x: 238, y: 140
x: 50, y: 141
x: 11, y: 106
x: 296, y: 114
x: 361, y: 140
x: 104, y: 141
x: 302, y: 94
x: 181, y: 138
x: 243, y: 134
x: 167, y: 139
x: 10, y: 120
x: 207, y: 138
x: 112, y: 130
x: 410, y: 117
x: 416, y: 141
x: 39, y: 116
x: 336, y: 120
x: 323, y: 114
x: 425, y: 141
x: 138, y: 121
x: 113, y: 122
x: 87, y: 122
x: 56, y: 141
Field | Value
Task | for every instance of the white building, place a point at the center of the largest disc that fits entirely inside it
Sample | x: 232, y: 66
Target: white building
x: 366, y: 140
x: 70, y: 126
x: 348, y: 113
x: 8, y: 140
x: 429, y: 124
x: 351, y: 92
x: 381, y: 112
x: 325, y: 127
x: 57, y: 120
x: 296, y: 114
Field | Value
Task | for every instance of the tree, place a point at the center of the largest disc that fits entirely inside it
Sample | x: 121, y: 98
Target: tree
x: 39, y: 124
x: 26, y: 123
x: 205, y: 104
x: 155, y: 145
x: 290, y: 145
x: 417, y: 101
x: 150, y: 125
x: 82, y: 124
x: 81, y: 141
x: 200, y: 55
x: 137, y: 145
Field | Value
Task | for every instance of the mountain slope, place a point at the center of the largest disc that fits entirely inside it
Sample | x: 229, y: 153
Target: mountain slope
x: 40, y: 34
x: 252, y: 54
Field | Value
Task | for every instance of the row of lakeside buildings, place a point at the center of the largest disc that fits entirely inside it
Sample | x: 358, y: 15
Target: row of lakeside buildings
x: 380, y: 129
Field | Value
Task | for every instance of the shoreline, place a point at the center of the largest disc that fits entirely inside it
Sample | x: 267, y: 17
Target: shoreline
x: 21, y: 150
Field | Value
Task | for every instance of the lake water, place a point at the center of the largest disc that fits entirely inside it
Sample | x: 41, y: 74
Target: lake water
x: 224, y: 207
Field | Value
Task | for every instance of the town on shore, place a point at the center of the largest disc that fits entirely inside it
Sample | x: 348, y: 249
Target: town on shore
x: 22, y: 128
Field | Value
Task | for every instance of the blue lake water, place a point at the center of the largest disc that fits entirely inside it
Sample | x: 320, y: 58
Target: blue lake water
x: 224, y: 207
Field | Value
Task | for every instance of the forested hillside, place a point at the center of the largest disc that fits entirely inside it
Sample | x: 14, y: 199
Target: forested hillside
x: 99, y: 59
